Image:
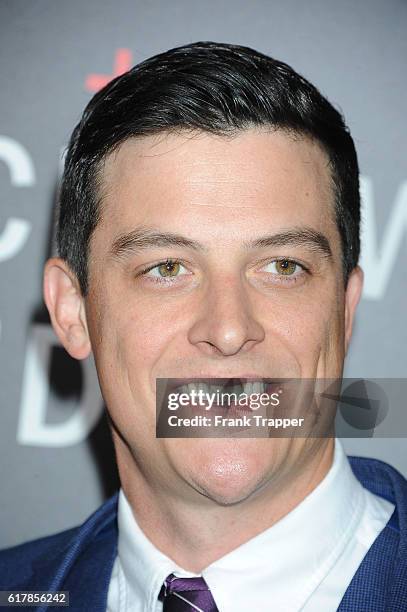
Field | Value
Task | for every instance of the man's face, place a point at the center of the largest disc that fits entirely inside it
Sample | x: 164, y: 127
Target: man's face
x: 223, y: 213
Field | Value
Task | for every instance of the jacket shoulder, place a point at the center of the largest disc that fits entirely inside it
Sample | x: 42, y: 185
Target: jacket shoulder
x: 380, y: 478
x: 385, y: 481
x: 41, y: 558
x: 16, y: 563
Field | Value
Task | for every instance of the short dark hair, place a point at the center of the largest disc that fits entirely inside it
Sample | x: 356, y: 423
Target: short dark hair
x: 207, y: 86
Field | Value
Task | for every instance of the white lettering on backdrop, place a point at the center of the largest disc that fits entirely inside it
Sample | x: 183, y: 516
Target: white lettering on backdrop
x: 33, y: 430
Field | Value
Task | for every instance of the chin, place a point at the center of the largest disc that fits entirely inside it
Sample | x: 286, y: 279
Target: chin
x: 231, y: 473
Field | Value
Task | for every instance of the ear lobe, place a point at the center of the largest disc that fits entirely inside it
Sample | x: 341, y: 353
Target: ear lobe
x: 66, y: 308
x: 352, y: 296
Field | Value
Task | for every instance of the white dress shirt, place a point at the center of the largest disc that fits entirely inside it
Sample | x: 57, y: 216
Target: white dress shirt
x: 303, y: 562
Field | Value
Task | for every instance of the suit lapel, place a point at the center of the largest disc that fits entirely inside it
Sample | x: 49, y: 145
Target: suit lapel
x: 369, y: 587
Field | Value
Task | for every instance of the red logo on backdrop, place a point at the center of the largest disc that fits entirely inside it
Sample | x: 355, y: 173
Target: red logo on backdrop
x: 122, y: 63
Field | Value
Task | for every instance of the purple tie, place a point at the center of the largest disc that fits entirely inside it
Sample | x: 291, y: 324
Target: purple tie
x: 186, y: 595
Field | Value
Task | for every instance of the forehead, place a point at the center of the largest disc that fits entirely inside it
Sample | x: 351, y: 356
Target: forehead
x: 233, y: 182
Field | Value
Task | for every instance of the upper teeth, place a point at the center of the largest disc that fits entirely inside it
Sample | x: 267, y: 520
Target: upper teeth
x: 249, y: 388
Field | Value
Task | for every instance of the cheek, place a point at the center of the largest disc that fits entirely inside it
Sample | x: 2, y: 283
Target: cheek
x: 138, y: 335
x: 150, y: 326
x: 310, y: 329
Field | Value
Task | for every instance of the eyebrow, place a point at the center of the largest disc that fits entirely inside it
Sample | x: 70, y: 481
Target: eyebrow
x: 142, y: 239
x: 308, y: 237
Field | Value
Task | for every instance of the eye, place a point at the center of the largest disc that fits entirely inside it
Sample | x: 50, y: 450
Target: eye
x: 169, y: 268
x: 284, y: 267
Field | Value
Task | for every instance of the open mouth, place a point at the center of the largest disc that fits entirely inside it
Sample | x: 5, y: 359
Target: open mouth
x: 223, y: 394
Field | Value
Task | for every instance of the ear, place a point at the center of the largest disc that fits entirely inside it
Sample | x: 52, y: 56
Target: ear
x: 352, y: 296
x: 66, y: 307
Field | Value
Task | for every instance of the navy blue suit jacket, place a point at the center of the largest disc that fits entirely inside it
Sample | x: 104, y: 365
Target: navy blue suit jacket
x: 81, y: 559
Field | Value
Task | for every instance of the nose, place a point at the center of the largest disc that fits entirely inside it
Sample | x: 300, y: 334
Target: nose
x: 226, y: 324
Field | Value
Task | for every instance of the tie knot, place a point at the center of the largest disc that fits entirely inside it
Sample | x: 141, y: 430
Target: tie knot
x: 173, y: 584
x: 186, y: 595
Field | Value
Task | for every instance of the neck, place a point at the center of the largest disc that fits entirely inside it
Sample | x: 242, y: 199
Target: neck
x: 196, y: 531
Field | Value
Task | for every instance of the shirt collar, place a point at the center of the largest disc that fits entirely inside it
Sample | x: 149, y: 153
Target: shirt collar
x: 304, y: 545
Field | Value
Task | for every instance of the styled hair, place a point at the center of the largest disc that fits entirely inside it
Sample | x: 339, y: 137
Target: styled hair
x: 212, y: 87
